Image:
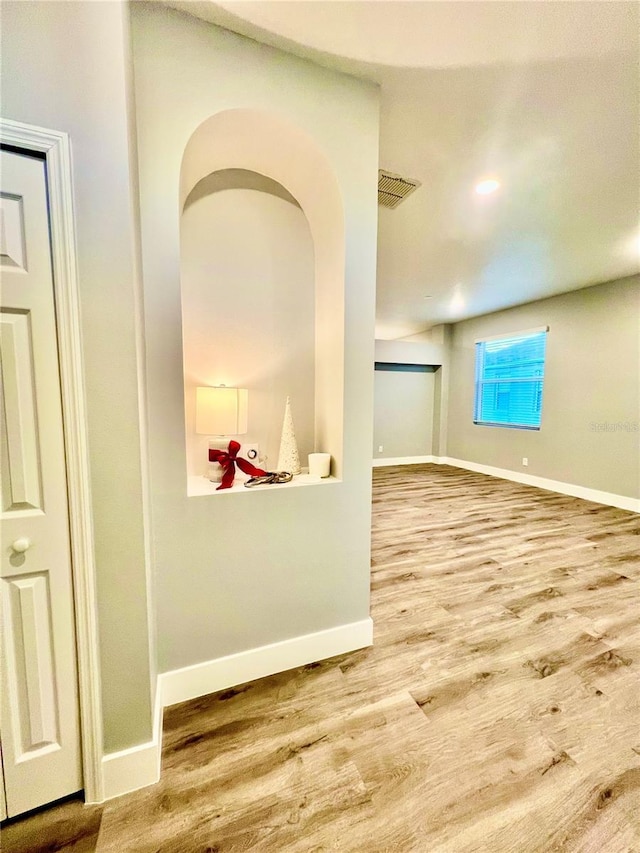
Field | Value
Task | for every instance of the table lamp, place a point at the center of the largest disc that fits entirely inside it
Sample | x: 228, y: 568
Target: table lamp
x: 221, y: 412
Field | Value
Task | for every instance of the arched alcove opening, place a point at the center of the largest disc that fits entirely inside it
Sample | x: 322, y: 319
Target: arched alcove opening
x: 262, y: 277
x: 248, y: 307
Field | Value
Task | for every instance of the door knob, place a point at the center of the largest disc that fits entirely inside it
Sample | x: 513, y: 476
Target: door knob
x: 21, y: 545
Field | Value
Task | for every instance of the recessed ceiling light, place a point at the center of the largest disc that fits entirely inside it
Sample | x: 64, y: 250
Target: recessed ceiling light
x: 487, y: 186
x: 458, y: 300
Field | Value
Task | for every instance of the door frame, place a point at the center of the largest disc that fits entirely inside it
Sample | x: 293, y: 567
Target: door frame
x: 56, y: 147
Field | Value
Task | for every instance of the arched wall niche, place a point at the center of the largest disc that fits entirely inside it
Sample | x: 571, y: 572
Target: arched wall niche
x: 248, y: 308
x: 236, y: 179
x: 243, y: 142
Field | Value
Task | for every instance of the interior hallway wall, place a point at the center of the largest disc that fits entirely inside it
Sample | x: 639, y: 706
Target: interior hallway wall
x: 65, y: 66
x: 239, y: 571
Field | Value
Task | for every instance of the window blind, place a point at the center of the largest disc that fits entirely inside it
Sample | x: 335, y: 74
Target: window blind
x: 509, y: 380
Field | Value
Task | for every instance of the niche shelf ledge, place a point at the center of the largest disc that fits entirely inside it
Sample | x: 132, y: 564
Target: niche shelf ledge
x: 198, y: 486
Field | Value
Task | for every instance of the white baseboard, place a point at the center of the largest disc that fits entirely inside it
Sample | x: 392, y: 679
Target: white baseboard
x: 574, y: 491
x: 138, y: 766
x: 179, y: 685
x: 606, y: 498
x: 402, y: 460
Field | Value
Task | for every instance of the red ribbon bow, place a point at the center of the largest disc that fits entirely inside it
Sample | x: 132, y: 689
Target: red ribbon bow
x: 228, y: 459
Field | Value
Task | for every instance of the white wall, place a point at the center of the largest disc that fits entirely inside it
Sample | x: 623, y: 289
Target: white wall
x: 236, y: 572
x: 403, y: 414
x: 410, y: 409
x: 590, y: 428
x: 429, y: 351
x: 65, y: 67
x: 247, y: 272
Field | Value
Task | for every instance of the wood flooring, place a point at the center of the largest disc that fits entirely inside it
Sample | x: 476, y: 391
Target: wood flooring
x: 498, y: 710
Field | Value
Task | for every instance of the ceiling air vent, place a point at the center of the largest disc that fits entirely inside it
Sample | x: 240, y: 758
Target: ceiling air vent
x: 392, y: 189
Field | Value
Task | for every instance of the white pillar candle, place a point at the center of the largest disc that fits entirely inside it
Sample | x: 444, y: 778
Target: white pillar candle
x: 319, y: 464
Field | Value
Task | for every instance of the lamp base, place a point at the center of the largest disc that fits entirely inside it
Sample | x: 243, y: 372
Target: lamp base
x: 215, y: 470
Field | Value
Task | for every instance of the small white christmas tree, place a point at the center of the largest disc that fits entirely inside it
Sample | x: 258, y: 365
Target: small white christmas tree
x: 288, y: 458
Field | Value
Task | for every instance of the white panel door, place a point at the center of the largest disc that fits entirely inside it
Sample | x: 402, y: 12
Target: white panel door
x: 39, y: 726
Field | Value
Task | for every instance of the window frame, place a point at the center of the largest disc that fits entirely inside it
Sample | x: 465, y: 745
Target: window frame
x: 482, y: 384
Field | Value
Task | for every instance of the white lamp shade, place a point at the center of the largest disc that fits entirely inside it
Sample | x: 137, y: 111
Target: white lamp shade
x: 221, y: 411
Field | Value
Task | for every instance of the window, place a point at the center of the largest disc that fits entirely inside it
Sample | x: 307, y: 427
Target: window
x: 509, y: 380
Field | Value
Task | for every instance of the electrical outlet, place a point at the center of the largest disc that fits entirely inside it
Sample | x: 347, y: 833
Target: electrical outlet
x: 379, y: 448
x: 525, y: 461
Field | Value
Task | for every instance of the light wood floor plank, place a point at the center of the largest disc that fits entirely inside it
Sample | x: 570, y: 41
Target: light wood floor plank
x: 497, y: 712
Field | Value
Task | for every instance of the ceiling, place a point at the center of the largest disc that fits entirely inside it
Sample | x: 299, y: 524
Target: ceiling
x: 543, y: 96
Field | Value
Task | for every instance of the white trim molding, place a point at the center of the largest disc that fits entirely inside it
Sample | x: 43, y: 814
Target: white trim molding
x: 179, y: 685
x: 574, y: 491
x: 136, y: 767
x: 139, y: 766
x: 402, y: 460
x: 523, y: 333
x: 130, y: 769
x: 56, y: 147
